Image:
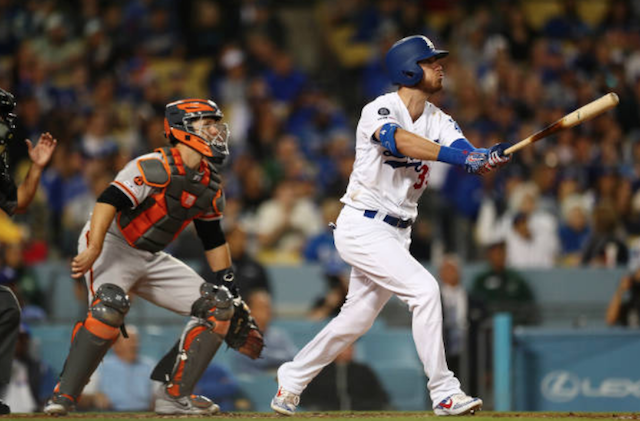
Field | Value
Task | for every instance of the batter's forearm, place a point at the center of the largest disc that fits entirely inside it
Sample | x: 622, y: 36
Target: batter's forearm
x: 219, y: 258
x: 102, y: 216
x: 415, y: 146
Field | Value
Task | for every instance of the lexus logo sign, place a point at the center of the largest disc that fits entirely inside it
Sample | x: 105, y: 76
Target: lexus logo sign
x: 564, y: 386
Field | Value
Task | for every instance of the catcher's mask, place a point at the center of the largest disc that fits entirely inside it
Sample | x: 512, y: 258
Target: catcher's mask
x: 180, y: 126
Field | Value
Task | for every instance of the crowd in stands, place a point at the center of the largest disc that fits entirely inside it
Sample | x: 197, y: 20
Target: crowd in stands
x: 290, y: 77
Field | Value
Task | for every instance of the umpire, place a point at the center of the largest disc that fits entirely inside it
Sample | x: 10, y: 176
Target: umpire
x: 15, y: 200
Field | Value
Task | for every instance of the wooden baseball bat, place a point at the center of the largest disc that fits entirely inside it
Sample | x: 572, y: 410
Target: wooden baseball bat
x: 582, y: 114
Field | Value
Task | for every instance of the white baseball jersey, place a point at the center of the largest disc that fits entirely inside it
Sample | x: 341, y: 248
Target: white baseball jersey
x: 381, y: 181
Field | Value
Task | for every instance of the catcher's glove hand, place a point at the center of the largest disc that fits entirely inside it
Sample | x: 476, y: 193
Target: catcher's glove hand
x: 244, y: 335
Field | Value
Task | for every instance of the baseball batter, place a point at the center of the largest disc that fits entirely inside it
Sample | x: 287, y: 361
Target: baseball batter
x: 398, y: 135
x: 120, y: 250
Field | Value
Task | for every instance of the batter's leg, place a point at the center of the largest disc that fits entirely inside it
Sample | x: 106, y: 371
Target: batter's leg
x: 381, y: 252
x: 363, y: 304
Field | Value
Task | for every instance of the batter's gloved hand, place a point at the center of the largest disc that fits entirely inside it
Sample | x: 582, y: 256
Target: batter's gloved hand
x: 244, y: 335
x: 497, y: 158
x: 477, y: 161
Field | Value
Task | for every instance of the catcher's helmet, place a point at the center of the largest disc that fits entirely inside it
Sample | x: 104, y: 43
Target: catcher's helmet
x: 178, y: 126
x: 403, y: 57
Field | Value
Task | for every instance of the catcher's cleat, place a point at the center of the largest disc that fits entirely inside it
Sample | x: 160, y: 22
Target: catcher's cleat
x: 458, y: 404
x: 59, y: 404
x: 285, y: 402
x: 184, y: 405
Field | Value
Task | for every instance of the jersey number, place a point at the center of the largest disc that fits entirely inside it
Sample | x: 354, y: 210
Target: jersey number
x: 424, y: 169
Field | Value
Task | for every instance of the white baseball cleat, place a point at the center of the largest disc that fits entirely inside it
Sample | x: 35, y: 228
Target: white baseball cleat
x: 184, y: 405
x: 285, y: 402
x: 458, y: 404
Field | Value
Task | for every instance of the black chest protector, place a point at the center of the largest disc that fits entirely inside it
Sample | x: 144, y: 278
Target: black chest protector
x: 181, y: 195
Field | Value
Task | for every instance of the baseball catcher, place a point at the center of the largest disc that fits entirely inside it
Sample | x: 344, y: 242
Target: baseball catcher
x: 149, y: 203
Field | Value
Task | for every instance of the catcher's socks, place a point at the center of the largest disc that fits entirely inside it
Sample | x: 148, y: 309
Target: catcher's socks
x: 458, y: 404
x: 285, y: 402
x: 59, y: 404
x: 185, y: 405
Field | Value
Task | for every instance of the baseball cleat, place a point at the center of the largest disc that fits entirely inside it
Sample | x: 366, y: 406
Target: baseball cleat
x: 59, y: 404
x: 184, y: 405
x: 285, y: 402
x: 458, y: 404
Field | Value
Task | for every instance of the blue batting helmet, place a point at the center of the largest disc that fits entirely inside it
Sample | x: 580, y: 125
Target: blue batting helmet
x: 403, y: 57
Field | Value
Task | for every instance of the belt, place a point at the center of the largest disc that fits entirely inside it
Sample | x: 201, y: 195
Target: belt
x: 391, y: 220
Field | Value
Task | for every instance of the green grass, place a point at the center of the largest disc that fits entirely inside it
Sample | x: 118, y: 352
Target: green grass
x: 333, y: 416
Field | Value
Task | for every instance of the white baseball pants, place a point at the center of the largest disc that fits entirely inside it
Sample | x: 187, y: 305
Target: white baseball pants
x: 382, y: 266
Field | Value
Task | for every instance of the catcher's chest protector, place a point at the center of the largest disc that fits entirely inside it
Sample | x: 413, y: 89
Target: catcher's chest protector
x: 184, y: 194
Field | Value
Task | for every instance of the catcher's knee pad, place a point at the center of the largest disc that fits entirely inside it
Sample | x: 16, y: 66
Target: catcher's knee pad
x: 109, y: 306
x: 92, y: 338
x: 183, y: 366
x: 214, y: 307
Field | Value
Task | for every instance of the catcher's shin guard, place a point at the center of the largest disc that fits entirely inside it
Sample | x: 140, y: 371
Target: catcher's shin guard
x: 183, y: 365
x: 92, y: 338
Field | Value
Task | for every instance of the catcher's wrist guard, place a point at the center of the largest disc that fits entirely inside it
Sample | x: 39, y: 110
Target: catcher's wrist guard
x: 227, y: 278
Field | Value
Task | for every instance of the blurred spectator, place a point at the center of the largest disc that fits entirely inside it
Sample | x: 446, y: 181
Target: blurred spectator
x: 346, y: 385
x: 284, y: 81
x: 321, y: 249
x: 122, y: 382
x: 250, y: 274
x: 532, y: 236
x: 284, y: 222
x: 278, y: 346
x: 455, y: 307
x: 605, y: 246
x: 31, y: 378
x: 624, y: 307
x: 574, y: 230
x: 499, y: 288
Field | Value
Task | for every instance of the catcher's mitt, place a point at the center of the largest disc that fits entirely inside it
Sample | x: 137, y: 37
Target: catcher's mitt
x: 244, y: 335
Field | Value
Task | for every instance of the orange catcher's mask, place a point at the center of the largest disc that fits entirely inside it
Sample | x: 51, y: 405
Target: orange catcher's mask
x: 209, y: 138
